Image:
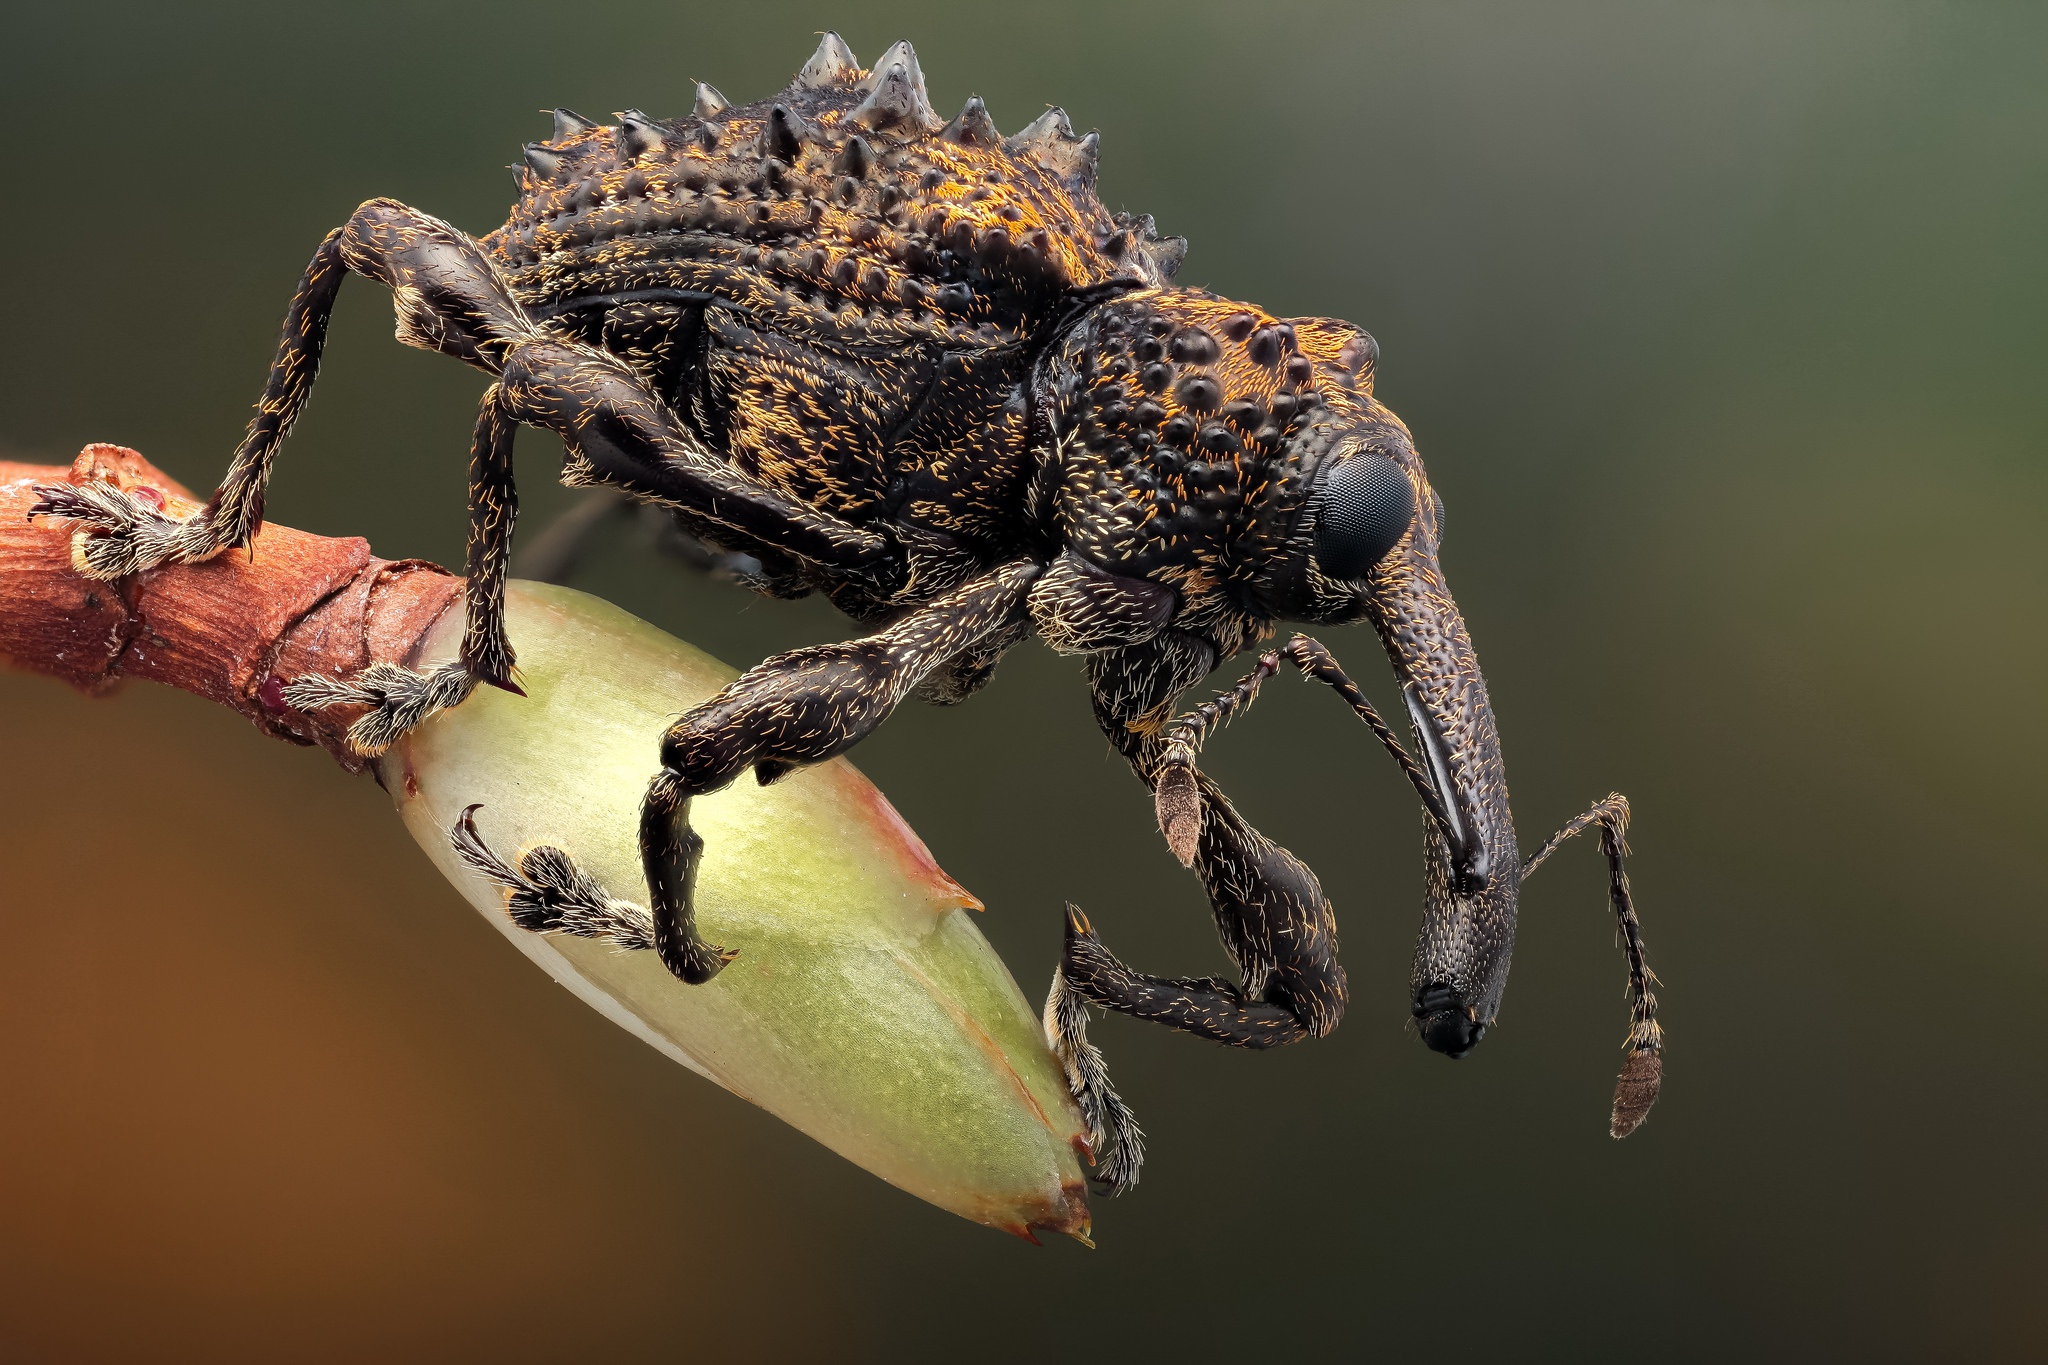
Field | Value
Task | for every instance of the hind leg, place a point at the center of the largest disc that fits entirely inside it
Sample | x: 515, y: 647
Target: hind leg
x: 450, y: 298
x: 118, y: 535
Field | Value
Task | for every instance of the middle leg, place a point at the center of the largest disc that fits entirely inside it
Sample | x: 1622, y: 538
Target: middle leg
x: 1269, y: 907
x: 790, y: 711
x: 399, y: 698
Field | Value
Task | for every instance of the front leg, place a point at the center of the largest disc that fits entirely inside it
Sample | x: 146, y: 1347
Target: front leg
x: 1270, y: 913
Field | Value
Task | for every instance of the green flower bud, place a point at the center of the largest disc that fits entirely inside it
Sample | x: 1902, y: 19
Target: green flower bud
x: 864, y: 1007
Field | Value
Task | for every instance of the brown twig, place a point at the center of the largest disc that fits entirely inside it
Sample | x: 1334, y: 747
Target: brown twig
x: 232, y: 630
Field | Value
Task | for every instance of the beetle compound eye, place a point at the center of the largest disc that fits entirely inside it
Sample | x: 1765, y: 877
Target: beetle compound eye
x: 1365, y: 506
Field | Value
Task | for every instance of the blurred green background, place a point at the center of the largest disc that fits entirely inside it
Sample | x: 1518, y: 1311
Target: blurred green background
x: 1722, y: 331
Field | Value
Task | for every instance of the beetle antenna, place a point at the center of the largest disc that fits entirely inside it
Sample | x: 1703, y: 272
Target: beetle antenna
x: 1635, y: 1090
x: 1173, y: 784
x: 1315, y: 661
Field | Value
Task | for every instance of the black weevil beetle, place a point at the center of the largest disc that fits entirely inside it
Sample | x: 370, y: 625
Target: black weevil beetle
x: 916, y: 366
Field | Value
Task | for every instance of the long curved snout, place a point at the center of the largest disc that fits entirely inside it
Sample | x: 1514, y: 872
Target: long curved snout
x: 1471, y: 861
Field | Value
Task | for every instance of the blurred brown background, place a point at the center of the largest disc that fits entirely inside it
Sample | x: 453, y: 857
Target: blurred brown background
x: 1722, y: 333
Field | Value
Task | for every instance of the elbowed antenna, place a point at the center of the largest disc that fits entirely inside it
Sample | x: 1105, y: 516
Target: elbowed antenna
x: 1178, y: 801
x: 1642, y: 1073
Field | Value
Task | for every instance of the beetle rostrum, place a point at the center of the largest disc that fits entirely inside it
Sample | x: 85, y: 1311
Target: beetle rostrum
x: 916, y: 366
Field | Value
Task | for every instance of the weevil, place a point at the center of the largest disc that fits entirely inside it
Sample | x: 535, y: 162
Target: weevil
x: 915, y: 365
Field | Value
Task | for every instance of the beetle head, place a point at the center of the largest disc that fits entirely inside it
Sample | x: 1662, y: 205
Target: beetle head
x: 1241, y: 460
x: 1363, y: 545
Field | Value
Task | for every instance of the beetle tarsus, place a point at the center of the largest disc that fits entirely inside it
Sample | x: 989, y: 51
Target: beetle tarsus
x: 399, y: 699
x: 547, y: 893
x: 1116, y: 1144
x: 119, y: 534
x: 1635, y: 1090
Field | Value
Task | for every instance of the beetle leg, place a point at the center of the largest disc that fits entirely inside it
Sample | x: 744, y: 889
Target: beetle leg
x: 620, y: 435
x: 550, y: 894
x: 1269, y: 909
x: 450, y: 298
x: 1276, y: 925
x: 120, y: 535
x: 1636, y: 1089
x: 559, y: 549
x: 399, y: 698
x: 792, y: 710
x: 1116, y: 1145
x: 1175, y: 792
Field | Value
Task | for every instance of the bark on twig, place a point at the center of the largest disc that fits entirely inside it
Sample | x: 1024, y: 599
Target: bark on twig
x: 232, y: 630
